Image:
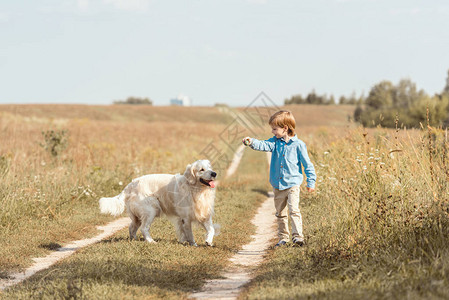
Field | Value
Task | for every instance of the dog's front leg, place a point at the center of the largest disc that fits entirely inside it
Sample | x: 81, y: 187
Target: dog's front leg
x: 210, y: 231
x: 187, y: 226
x: 179, y: 229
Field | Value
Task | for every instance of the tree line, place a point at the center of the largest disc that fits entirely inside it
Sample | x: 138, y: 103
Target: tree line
x: 314, y: 98
x: 135, y: 100
x: 391, y: 105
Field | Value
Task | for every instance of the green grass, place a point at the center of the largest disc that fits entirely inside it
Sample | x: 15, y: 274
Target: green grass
x: 117, y: 268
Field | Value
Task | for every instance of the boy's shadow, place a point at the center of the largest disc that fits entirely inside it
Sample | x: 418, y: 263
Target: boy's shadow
x: 260, y: 191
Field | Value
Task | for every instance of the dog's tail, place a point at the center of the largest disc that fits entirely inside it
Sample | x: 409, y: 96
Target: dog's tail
x: 114, y: 205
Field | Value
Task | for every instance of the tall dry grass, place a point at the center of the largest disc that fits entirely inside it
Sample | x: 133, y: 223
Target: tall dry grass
x: 117, y: 268
x: 48, y: 199
x: 391, y: 186
x: 377, y: 226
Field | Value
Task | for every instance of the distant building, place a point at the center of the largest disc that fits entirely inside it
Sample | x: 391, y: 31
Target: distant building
x: 181, y: 100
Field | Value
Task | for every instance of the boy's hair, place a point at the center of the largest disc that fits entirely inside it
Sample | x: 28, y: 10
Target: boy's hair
x: 284, y: 118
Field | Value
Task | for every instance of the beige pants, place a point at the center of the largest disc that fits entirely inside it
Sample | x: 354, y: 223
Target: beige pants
x: 288, y: 198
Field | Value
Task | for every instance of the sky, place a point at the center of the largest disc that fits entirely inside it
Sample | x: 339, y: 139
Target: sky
x: 99, y: 51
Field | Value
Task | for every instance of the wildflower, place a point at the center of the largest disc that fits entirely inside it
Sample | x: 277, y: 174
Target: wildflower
x: 136, y: 170
x: 120, y: 183
x: 326, y: 153
x: 396, y: 184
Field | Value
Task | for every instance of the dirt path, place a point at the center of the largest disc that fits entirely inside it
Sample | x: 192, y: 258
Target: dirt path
x: 239, y: 272
x: 42, y: 263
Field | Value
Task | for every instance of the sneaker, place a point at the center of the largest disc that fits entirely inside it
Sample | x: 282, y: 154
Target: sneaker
x: 280, y: 244
x: 298, y: 242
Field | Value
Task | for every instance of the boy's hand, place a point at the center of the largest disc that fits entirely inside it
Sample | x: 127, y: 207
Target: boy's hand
x: 310, y: 190
x: 247, y: 141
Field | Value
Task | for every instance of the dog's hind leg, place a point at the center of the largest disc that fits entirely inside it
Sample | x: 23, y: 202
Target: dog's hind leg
x: 210, y: 231
x: 146, y: 223
x: 133, y: 227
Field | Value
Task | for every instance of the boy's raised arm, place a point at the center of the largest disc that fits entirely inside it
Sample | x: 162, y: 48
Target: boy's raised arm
x: 255, y: 144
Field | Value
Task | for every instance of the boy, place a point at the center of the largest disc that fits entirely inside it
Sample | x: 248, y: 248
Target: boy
x: 288, y: 155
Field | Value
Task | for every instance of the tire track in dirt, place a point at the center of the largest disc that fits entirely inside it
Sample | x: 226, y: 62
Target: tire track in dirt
x: 239, y: 273
x: 42, y: 263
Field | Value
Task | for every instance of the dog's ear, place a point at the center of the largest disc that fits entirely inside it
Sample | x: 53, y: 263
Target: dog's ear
x: 189, y: 175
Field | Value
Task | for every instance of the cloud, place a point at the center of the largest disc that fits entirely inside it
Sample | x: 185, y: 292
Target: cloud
x: 96, y: 5
x: 443, y: 10
x: 347, y: 1
x: 407, y: 11
x: 4, y: 17
x: 208, y: 49
x: 83, y: 4
x: 257, y: 1
x: 420, y: 11
x: 129, y: 5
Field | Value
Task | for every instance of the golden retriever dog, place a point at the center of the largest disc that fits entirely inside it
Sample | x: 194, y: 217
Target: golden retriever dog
x: 184, y: 199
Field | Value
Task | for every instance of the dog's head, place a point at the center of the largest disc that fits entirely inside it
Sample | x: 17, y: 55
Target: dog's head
x: 200, y: 172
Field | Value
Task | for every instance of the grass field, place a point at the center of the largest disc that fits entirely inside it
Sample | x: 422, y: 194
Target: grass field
x: 51, y: 198
x: 120, y: 269
x: 375, y: 228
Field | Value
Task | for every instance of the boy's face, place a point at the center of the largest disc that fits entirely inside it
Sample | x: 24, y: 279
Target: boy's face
x: 279, y: 132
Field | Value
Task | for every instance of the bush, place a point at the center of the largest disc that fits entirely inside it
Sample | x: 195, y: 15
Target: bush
x: 135, y: 100
x: 55, y: 141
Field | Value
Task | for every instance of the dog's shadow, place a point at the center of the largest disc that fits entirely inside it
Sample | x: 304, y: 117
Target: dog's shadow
x: 125, y: 239
x: 141, y: 239
x: 166, y: 242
